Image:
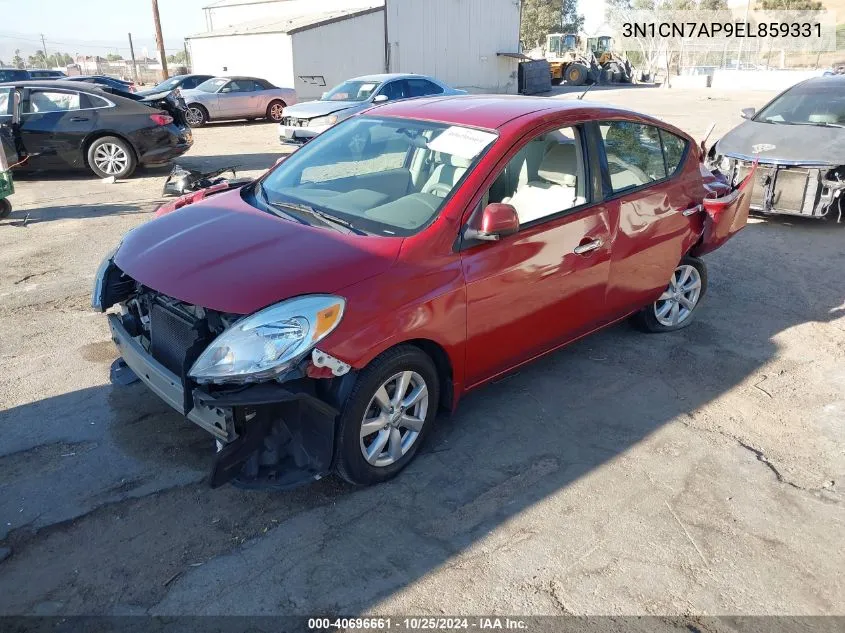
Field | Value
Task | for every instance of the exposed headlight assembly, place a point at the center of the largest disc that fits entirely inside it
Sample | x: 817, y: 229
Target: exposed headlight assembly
x: 265, y: 344
x: 100, y: 280
x: 323, y: 120
x: 726, y: 164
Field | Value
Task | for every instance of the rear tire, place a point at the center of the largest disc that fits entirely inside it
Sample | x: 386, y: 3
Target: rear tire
x: 275, y: 110
x: 111, y: 156
x: 196, y: 116
x: 676, y: 307
x: 374, y: 401
x: 5, y: 208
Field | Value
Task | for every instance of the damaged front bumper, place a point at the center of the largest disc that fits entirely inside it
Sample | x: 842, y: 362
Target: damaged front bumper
x: 269, y: 435
x: 789, y: 187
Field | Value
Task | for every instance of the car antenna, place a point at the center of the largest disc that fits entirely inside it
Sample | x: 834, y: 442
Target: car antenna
x: 707, y: 136
x: 581, y: 96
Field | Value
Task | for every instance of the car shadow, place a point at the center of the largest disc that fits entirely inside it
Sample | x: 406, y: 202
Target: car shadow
x: 331, y: 548
x: 25, y: 217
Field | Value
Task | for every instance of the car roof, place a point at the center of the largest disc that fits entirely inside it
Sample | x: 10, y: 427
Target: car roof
x: 52, y: 83
x: 487, y: 111
x: 385, y: 76
x: 238, y: 77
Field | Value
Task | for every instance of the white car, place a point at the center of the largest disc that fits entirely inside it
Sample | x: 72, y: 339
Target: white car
x: 302, y: 122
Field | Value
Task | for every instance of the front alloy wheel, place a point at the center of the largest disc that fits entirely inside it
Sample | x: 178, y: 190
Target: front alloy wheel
x: 676, y: 307
x: 394, y: 418
x: 389, y: 410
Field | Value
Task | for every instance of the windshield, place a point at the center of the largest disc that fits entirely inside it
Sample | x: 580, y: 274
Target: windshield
x: 213, y: 85
x: 170, y: 84
x: 380, y: 176
x: 807, y: 104
x: 351, y: 91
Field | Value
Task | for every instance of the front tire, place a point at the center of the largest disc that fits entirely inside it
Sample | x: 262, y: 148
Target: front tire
x: 196, y: 116
x: 388, y: 414
x: 676, y: 307
x: 5, y: 208
x: 111, y: 156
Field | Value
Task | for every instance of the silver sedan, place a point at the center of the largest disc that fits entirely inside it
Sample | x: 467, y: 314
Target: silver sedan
x: 305, y: 121
x: 222, y: 98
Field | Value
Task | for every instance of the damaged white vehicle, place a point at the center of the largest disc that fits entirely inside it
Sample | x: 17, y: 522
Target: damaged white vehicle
x: 799, y: 140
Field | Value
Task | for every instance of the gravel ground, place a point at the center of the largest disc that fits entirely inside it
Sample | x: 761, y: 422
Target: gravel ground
x: 699, y: 472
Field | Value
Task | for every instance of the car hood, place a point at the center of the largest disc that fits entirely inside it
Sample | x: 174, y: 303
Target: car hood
x: 226, y: 255
x: 798, y: 144
x: 312, y: 109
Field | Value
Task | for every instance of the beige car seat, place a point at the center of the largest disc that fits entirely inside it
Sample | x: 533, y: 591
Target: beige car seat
x: 554, y: 187
x: 448, y: 170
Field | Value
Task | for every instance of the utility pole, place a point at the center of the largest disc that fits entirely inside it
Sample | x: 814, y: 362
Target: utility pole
x: 160, y: 41
x: 132, y: 54
x: 187, y: 61
x: 44, y: 49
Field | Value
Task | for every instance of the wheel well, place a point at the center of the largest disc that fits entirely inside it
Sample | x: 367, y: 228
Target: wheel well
x: 444, y: 368
x: 96, y: 135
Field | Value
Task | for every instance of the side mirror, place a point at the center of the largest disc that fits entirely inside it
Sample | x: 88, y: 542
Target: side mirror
x: 747, y: 113
x: 281, y: 159
x: 497, y: 221
x: 380, y: 98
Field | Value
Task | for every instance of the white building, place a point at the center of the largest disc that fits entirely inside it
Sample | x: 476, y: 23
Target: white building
x: 307, y: 52
x: 313, y: 45
x: 457, y: 41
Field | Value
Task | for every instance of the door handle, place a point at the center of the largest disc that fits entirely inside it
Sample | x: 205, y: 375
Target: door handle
x: 587, y: 247
x: 692, y: 210
x: 78, y: 119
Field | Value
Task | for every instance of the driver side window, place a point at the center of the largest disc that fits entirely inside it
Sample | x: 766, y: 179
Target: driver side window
x: 545, y: 177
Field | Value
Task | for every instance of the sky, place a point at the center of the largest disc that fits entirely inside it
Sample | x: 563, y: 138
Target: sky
x: 95, y: 26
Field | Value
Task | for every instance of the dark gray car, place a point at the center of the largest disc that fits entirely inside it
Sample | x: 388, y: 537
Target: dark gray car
x: 799, y: 140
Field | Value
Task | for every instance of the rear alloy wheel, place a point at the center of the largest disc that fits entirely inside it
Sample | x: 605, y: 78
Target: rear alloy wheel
x: 387, y: 415
x: 111, y: 156
x: 276, y: 110
x: 196, y: 116
x: 675, y: 308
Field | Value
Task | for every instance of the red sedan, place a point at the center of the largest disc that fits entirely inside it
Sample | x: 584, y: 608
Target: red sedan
x: 316, y: 319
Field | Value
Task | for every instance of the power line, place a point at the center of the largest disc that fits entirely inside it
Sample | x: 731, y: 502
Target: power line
x: 73, y: 44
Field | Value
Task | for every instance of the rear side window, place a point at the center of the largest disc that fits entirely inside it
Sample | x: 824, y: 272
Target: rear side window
x: 51, y: 101
x: 11, y: 74
x: 673, y: 149
x: 422, y: 87
x: 95, y: 102
x: 634, y: 154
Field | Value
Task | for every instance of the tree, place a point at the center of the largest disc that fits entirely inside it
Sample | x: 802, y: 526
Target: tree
x: 37, y: 60
x: 789, y: 5
x: 177, y: 58
x: 114, y: 57
x: 17, y: 60
x: 571, y: 20
x: 541, y: 17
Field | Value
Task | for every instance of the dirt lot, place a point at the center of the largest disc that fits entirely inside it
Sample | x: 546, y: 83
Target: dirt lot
x: 691, y: 473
